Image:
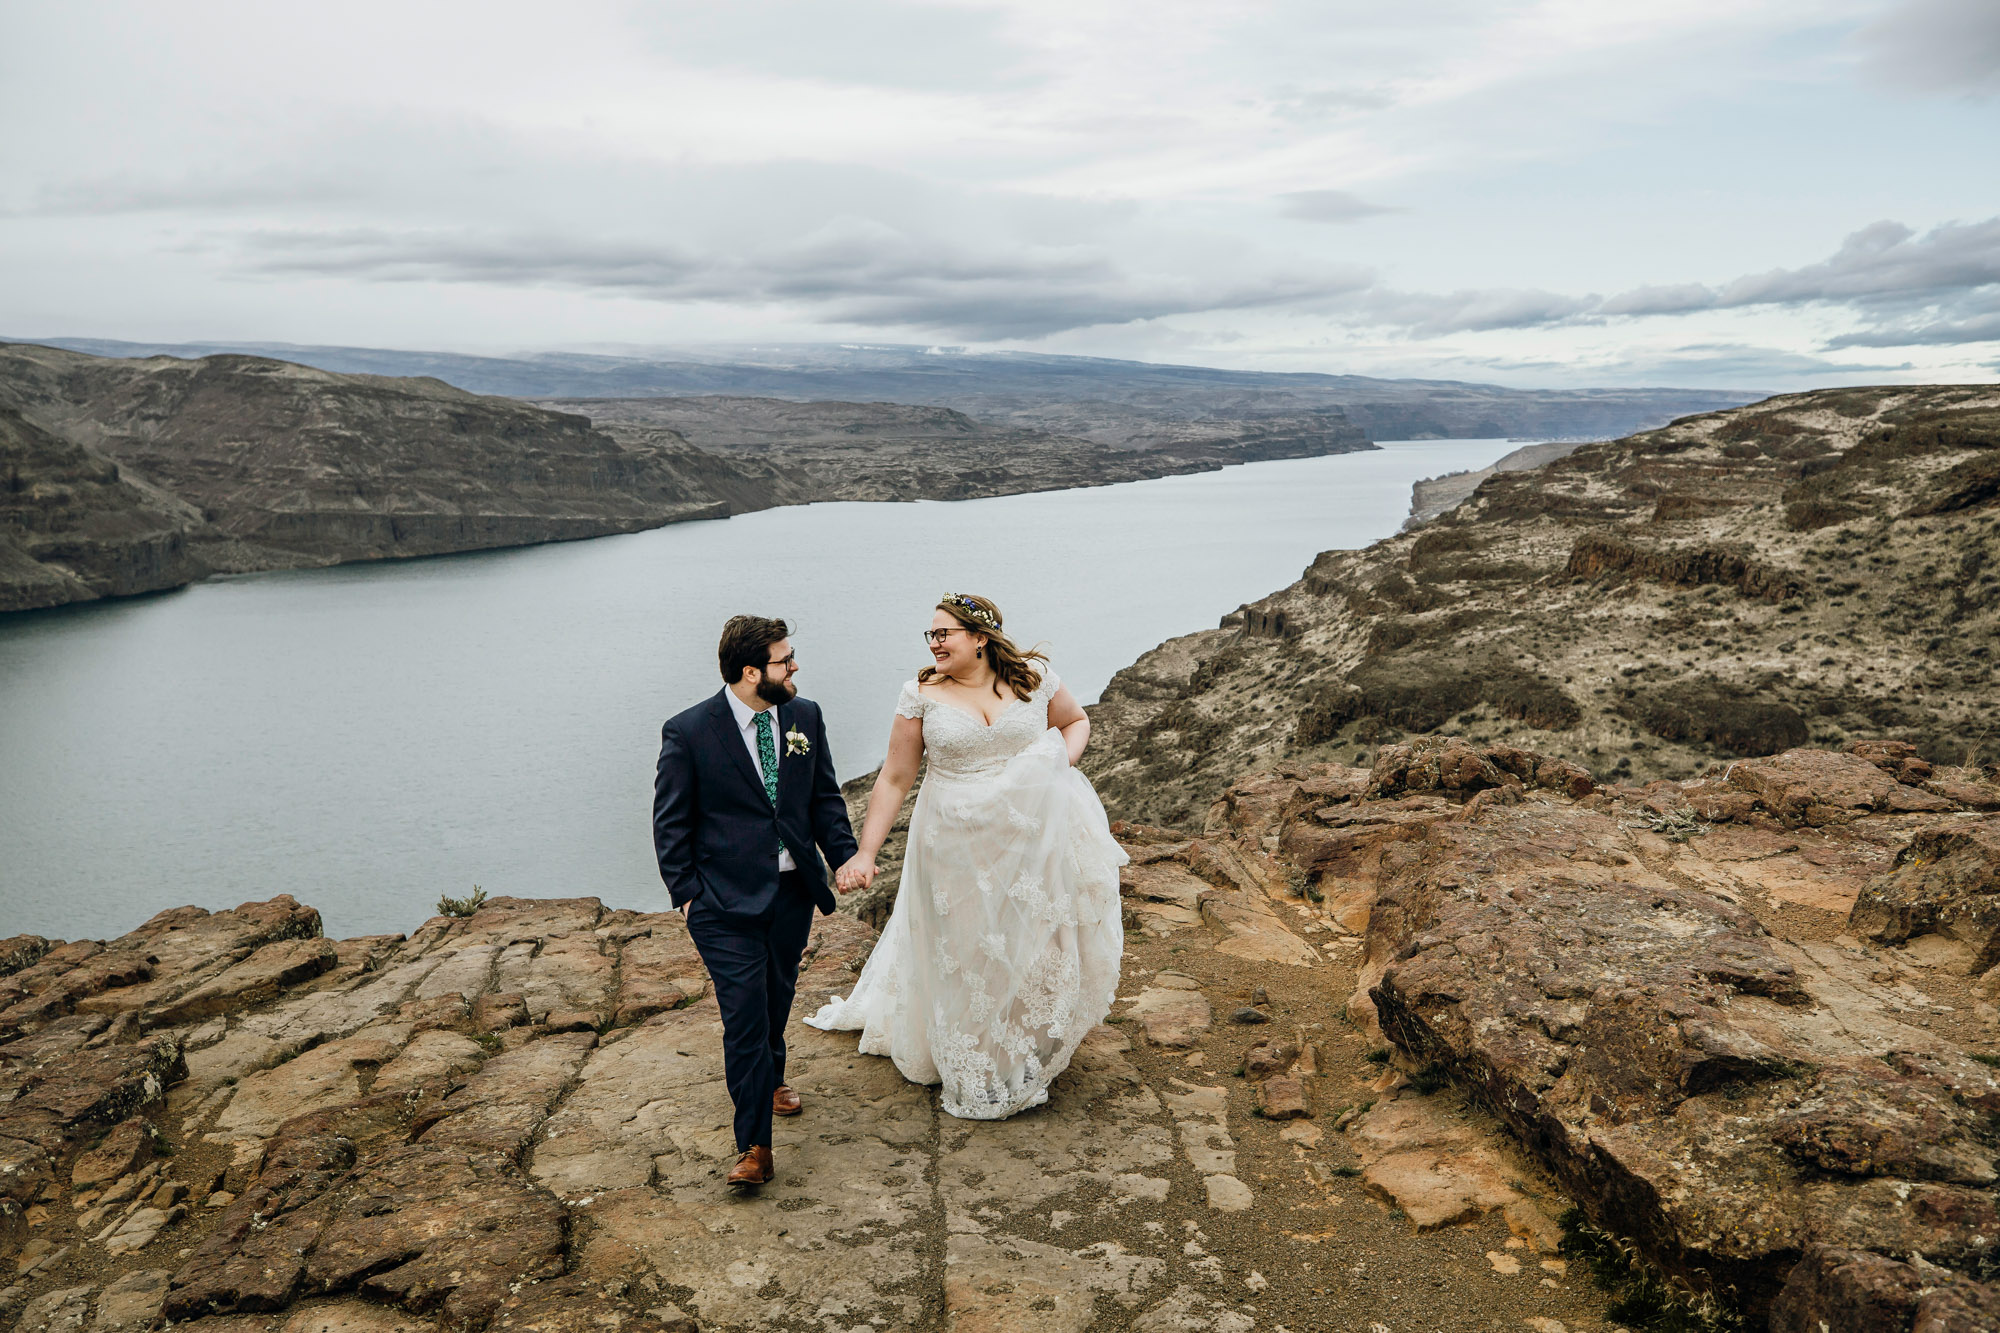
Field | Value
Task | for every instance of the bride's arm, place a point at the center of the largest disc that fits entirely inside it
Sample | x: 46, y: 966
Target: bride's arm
x: 1067, y: 716
x: 892, y: 785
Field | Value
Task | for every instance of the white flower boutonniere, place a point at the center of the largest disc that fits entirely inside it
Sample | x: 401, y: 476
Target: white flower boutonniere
x: 796, y: 742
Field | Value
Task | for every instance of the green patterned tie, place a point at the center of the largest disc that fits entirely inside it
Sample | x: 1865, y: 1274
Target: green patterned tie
x: 767, y: 756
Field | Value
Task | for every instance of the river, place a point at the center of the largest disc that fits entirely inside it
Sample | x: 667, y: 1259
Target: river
x: 368, y: 737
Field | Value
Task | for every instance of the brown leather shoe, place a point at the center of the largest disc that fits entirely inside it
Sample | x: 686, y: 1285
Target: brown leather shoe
x: 785, y: 1101
x: 754, y: 1167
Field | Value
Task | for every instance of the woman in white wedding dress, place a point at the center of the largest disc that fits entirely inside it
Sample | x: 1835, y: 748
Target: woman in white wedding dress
x: 1003, y: 948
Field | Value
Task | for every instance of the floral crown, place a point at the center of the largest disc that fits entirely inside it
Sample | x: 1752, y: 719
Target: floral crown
x: 970, y: 609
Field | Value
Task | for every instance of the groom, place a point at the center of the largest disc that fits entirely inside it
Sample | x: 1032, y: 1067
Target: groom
x: 745, y: 793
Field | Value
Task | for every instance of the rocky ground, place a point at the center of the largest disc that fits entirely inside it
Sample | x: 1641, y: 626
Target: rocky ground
x: 1814, y: 569
x: 1378, y: 1028
x: 517, y: 1119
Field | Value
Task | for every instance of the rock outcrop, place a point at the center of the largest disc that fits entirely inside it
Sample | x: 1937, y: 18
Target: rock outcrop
x: 1736, y: 1017
x: 1813, y: 570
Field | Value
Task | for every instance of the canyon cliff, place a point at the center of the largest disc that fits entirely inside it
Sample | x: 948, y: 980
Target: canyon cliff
x: 128, y: 476
x: 1821, y: 567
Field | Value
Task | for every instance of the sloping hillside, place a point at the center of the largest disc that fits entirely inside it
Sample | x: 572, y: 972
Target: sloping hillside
x: 1818, y: 567
x: 74, y: 528
x: 289, y: 465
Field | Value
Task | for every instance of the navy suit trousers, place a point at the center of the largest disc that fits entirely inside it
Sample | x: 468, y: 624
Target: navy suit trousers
x: 753, y: 963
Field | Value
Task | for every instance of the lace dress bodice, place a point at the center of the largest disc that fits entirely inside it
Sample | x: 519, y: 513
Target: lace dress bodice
x: 958, y: 743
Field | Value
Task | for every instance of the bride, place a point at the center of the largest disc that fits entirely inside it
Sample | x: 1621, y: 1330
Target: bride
x: 1003, y: 948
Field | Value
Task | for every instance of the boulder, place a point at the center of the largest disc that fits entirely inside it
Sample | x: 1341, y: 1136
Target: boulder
x: 1835, y: 1290
x: 1819, y: 788
x: 128, y: 1146
x: 1945, y: 882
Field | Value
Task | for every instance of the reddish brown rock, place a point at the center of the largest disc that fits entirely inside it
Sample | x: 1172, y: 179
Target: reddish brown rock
x: 577, y: 1305
x: 499, y: 1109
x: 1899, y: 759
x: 1442, y: 764
x: 1663, y: 1056
x: 657, y: 972
x: 1835, y: 1290
x: 1946, y: 882
x: 127, y: 1147
x: 22, y: 951
x: 1269, y: 1058
x: 171, y: 953
x: 433, y: 1227
x: 496, y: 1013
x: 1283, y: 1098
x: 1818, y: 788
x: 262, y: 976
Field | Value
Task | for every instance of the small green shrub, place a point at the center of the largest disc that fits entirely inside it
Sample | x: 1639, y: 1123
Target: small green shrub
x: 1676, y: 825
x: 466, y: 906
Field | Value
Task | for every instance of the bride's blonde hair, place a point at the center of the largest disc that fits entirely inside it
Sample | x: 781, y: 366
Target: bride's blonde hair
x: 1010, y: 664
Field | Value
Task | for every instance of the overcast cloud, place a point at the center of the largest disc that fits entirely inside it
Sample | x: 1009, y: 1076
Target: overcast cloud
x: 1743, y: 192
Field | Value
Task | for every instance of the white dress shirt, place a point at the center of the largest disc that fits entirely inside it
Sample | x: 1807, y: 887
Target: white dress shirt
x: 746, y: 726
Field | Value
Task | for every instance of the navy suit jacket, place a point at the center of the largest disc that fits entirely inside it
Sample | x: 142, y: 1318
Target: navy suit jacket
x: 714, y: 830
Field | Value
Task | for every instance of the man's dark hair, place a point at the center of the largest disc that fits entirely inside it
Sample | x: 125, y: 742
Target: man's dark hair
x: 746, y: 642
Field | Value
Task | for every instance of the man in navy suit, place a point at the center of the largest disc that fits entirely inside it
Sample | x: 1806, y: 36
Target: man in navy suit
x: 744, y: 803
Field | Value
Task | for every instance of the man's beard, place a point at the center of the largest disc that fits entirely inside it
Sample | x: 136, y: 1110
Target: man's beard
x: 776, y: 691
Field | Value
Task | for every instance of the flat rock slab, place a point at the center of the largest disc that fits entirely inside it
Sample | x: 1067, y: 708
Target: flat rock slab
x: 1170, y: 1016
x: 1430, y: 1162
x: 131, y: 1301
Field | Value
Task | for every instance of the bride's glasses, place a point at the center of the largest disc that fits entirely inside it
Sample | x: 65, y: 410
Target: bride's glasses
x: 936, y: 637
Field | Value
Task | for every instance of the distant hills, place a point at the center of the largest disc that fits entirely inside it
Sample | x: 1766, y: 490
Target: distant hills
x: 1093, y: 397
x: 129, y: 475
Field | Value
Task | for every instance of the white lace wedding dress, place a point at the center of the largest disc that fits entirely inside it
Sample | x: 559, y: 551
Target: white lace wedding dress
x: 1003, y: 948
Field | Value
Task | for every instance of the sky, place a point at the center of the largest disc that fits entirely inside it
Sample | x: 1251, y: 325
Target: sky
x: 1770, y: 194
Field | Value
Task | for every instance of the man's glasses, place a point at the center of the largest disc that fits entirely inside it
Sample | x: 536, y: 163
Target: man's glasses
x: 788, y: 661
x: 936, y: 637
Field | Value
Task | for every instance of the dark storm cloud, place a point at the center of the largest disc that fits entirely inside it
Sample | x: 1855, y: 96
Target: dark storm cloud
x: 1330, y: 206
x: 851, y: 271
x: 1937, y: 46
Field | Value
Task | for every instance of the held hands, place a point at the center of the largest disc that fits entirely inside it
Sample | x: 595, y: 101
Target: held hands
x: 859, y: 873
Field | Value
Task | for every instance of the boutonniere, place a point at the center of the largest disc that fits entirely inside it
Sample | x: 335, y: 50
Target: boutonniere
x: 796, y: 742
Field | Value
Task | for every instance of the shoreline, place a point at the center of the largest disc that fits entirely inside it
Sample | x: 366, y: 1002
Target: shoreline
x: 239, y: 560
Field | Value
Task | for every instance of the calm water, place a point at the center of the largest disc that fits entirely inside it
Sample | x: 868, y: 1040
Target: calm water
x: 368, y: 737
